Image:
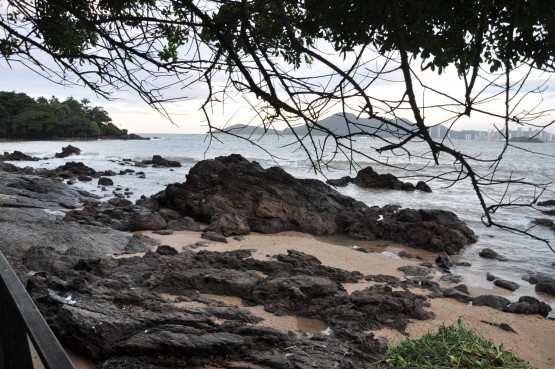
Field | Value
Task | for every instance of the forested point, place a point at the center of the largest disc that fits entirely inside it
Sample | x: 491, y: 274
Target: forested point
x: 525, y: 139
x: 22, y: 117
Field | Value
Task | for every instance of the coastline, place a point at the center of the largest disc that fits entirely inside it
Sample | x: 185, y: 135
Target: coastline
x: 535, y: 340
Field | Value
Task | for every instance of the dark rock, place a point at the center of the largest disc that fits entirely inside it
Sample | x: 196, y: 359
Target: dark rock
x: 75, y: 169
x: 415, y: 272
x: 490, y: 277
x: 361, y: 249
x: 463, y: 288
x: 423, y: 186
x: 546, y: 287
x: 444, y: 261
x: 508, y: 285
x: 405, y: 254
x: 239, y: 238
x: 547, y: 203
x: 368, y: 178
x: 271, y: 201
x: 84, y: 178
x: 463, y: 263
x: 545, y: 222
x: 162, y: 162
x: 214, y: 236
x: 341, y: 182
x: 140, y: 243
x: 67, y: 151
x: 166, y: 250
x: 528, y: 305
x: 503, y: 326
x: 496, y: 302
x: 183, y: 224
x: 163, y: 232
x: 229, y: 224
x: 105, y: 181
x: 457, y: 295
x: 490, y: 254
x: 549, y: 212
x: 149, y: 203
x: 17, y: 156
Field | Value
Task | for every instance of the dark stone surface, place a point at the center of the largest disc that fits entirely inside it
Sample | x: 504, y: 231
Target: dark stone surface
x: 68, y: 151
x: 488, y: 253
x: 159, y: 161
x: 105, y: 181
x: 508, y: 285
x: 17, y: 156
x: 496, y: 302
x: 271, y: 201
x: 528, y: 305
x: 547, y: 203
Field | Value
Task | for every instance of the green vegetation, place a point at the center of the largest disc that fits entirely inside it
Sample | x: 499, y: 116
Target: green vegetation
x: 22, y: 117
x: 451, y: 347
x: 526, y: 139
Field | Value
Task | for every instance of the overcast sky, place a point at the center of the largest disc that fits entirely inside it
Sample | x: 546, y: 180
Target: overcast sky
x: 130, y: 112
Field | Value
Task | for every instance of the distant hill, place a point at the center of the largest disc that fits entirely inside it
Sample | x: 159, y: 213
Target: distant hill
x: 341, y: 125
x: 244, y: 129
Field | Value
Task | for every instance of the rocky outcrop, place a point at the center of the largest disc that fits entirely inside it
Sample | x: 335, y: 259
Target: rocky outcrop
x: 150, y: 311
x: 17, y: 156
x: 369, y: 178
x: 159, y: 161
x: 68, y: 151
x: 270, y: 200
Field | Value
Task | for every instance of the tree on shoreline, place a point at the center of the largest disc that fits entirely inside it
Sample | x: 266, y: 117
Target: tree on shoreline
x: 296, y: 61
x: 23, y: 117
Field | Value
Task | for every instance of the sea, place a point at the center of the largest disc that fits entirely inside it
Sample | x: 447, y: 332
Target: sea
x: 528, y: 162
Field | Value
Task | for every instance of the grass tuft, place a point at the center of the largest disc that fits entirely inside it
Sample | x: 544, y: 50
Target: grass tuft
x: 451, y: 347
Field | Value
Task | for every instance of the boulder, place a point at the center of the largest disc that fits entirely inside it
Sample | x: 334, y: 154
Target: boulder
x: 270, y: 201
x: 488, y: 253
x: 494, y: 301
x: 67, y: 151
x: 17, y: 156
x: 157, y: 160
x: 183, y: 224
x: 547, y: 203
x: 105, y: 181
x: 528, y: 305
x: 368, y: 178
x: 508, y: 285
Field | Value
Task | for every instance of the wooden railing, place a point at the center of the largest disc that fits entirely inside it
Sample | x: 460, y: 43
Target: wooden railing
x: 21, y: 321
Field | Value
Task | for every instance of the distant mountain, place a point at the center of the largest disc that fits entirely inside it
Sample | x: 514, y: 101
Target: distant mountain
x: 348, y: 123
x: 247, y: 130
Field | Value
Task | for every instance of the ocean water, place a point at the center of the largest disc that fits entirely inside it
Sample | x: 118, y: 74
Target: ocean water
x: 524, y: 253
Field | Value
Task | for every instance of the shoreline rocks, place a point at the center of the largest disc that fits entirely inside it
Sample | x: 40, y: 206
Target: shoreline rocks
x: 368, y: 178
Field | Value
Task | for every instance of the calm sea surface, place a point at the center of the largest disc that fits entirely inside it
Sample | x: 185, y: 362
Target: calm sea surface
x: 525, y: 254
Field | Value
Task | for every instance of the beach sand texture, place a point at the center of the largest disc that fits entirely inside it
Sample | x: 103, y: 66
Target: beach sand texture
x: 535, y: 340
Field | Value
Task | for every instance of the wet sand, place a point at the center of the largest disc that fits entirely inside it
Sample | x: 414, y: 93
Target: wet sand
x: 535, y: 340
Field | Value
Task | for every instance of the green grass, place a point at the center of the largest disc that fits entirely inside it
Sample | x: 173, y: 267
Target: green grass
x: 451, y: 347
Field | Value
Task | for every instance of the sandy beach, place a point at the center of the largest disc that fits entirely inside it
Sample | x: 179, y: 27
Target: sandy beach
x: 535, y: 340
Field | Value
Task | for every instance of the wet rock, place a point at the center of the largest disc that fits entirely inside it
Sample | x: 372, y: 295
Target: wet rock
x: 546, y: 286
x: 529, y: 305
x: 494, y: 301
x: 361, y: 249
x: 545, y: 222
x: 341, y: 182
x: 547, y: 203
x: 488, y: 253
x: 508, y: 285
x: 490, y: 277
x: 457, y: 295
x: 67, y: 151
x: 405, y: 254
x: 463, y: 288
x: 368, y: 178
x: 444, y: 261
x: 17, y: 156
x: 423, y: 186
x: 105, y: 181
x: 161, y: 162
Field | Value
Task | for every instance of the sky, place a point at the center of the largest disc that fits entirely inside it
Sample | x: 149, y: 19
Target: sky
x: 128, y: 111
